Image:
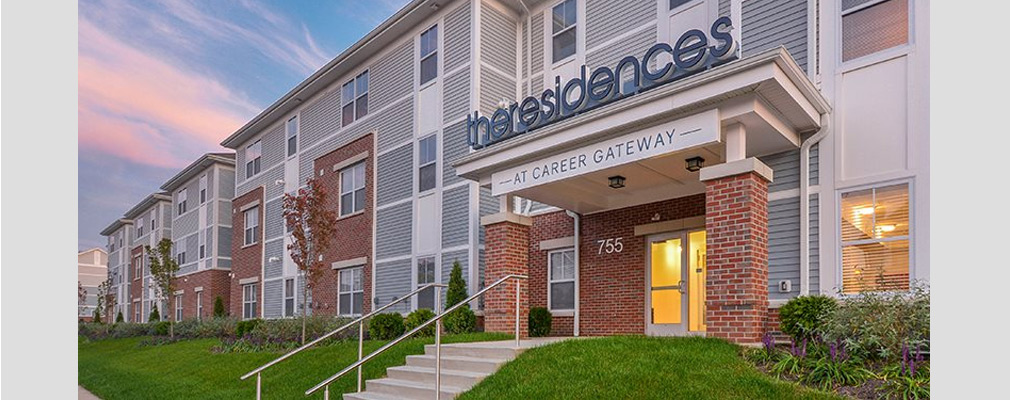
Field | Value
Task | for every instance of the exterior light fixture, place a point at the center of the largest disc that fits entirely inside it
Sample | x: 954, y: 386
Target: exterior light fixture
x: 694, y: 164
x: 616, y: 181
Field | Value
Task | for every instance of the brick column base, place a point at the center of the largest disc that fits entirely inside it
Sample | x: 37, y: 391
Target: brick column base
x: 736, y: 223
x: 506, y: 252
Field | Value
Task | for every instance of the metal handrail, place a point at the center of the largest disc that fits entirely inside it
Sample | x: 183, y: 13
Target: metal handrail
x: 438, y: 330
x: 361, y: 332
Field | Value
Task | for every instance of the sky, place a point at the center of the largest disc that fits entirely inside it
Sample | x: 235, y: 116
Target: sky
x: 162, y: 82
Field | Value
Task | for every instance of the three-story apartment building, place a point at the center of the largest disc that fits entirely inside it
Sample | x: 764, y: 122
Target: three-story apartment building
x: 120, y: 237
x: 152, y: 221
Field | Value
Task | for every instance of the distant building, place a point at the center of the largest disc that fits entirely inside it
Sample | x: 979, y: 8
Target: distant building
x: 91, y: 272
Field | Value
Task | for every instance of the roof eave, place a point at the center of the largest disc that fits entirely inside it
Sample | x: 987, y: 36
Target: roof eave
x: 193, y: 169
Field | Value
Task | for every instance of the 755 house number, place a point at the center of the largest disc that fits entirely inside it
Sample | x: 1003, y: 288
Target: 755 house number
x: 609, y: 246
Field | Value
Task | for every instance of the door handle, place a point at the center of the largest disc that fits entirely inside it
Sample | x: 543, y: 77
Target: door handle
x: 680, y: 286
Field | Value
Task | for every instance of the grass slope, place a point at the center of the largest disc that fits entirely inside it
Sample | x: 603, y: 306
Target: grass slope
x: 119, y: 369
x: 635, y: 368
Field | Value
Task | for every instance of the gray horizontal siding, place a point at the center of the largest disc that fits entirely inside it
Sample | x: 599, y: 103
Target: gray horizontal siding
x: 724, y: 8
x: 606, y: 19
x: 636, y: 45
x: 188, y: 222
x: 273, y: 269
x: 494, y: 87
x: 395, y: 175
x: 392, y: 77
x: 392, y: 280
x: 768, y: 24
x: 784, y: 246
x: 209, y: 242
x: 193, y: 247
x: 456, y: 103
x: 454, y: 146
x: 224, y: 212
x: 481, y: 267
x: 488, y: 205
x: 320, y: 118
x: 223, y: 263
x: 224, y: 237
x: 273, y: 219
x: 456, y: 40
x: 393, y: 231
x: 455, y: 216
x: 815, y: 249
x: 523, y: 48
x: 226, y: 186
x: 786, y: 170
x: 273, y: 298
x: 537, y: 44
x: 498, y: 39
x: 266, y: 178
x: 396, y: 125
x: 274, y: 149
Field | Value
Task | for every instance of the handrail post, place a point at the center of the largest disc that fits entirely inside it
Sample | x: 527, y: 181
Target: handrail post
x: 361, y: 340
x: 326, y: 393
x: 517, y: 313
x: 258, y: 386
x: 438, y: 344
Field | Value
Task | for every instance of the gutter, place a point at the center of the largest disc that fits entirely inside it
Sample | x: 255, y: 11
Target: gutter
x: 805, y: 202
x: 578, y: 225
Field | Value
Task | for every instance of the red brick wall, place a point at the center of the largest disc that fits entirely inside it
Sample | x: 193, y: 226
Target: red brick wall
x: 214, y: 282
x: 545, y: 227
x: 736, y: 223
x: 246, y: 261
x: 136, y: 284
x: 507, y: 252
x: 354, y: 232
x: 772, y: 325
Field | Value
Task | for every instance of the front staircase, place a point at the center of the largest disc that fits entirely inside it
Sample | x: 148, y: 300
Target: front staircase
x: 463, y: 366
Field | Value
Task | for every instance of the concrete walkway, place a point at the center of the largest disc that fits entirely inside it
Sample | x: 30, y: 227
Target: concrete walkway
x: 84, y: 394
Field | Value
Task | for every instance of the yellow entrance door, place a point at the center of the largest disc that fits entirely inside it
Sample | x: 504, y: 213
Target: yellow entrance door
x: 676, y: 284
x: 667, y: 277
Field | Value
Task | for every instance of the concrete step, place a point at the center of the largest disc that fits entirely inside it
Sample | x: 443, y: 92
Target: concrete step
x: 409, y: 390
x: 461, y: 379
x: 477, y: 350
x: 459, y: 363
x: 369, y: 396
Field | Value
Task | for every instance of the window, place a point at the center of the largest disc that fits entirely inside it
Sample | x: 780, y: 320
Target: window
x: 354, y: 98
x: 350, y: 291
x: 563, y: 31
x: 426, y: 163
x: 289, y: 297
x: 136, y: 311
x: 249, y: 301
x: 426, y: 275
x: 140, y: 227
x: 203, y: 189
x: 180, y: 256
x: 181, y: 201
x: 875, y: 239
x: 562, y: 279
x: 253, y: 154
x: 292, y: 133
x: 252, y: 225
x: 199, y: 305
x: 203, y: 245
x: 677, y: 3
x: 352, y: 189
x: 178, y: 307
x: 429, y: 54
x: 870, y: 26
x: 137, y: 262
x: 153, y: 225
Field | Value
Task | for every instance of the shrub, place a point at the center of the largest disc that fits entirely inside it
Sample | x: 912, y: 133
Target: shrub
x: 418, y: 317
x: 289, y: 330
x: 876, y: 325
x: 462, y: 320
x: 539, y: 322
x: 131, y: 329
x: 827, y: 373
x: 154, y: 316
x: 97, y: 317
x: 119, y: 317
x: 219, y: 311
x: 457, y: 287
x: 803, y: 317
x: 93, y: 331
x: 161, y: 328
x: 244, y: 327
x: 387, y: 326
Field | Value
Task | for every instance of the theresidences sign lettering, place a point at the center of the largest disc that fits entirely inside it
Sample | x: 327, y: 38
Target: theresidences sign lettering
x: 691, y: 53
x: 692, y: 131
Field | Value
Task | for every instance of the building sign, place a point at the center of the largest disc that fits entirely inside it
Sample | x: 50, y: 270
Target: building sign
x: 688, y: 132
x: 693, y: 52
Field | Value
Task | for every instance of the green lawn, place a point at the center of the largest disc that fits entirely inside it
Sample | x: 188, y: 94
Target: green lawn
x: 636, y: 368
x: 119, y: 369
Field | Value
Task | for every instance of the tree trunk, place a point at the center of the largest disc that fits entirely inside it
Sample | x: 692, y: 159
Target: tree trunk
x: 171, y: 323
x: 305, y: 308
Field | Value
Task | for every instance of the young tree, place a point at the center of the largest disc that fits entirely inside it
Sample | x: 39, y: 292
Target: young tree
x: 463, y: 319
x: 105, y: 298
x: 311, y: 225
x: 163, y: 270
x: 82, y: 299
x: 119, y: 317
x: 219, y: 311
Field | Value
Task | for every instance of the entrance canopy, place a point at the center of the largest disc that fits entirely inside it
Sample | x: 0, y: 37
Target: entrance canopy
x: 752, y: 107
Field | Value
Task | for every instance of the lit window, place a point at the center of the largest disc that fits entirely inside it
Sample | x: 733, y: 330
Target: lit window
x: 563, y: 31
x: 875, y: 239
x: 429, y: 54
x: 562, y: 279
x: 181, y: 201
x: 428, y: 153
x: 253, y: 153
x: 426, y: 275
x: 354, y: 98
x: 178, y: 307
x: 289, y: 297
x: 870, y: 26
x: 249, y: 301
x: 352, y: 189
x: 350, y: 291
x: 252, y: 225
x: 203, y: 189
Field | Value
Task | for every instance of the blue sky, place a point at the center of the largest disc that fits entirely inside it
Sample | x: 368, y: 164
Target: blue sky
x: 162, y: 82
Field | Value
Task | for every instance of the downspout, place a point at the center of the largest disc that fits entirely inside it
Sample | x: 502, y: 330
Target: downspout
x: 805, y: 203
x: 577, y: 223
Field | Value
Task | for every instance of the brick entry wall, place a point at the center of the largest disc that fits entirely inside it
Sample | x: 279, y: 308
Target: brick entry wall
x: 246, y: 261
x: 214, y: 283
x: 545, y: 227
x: 507, y: 252
x: 136, y: 286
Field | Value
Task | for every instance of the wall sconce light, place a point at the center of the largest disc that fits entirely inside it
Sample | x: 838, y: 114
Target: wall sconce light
x: 274, y: 259
x: 694, y: 164
x: 279, y: 182
x: 616, y: 181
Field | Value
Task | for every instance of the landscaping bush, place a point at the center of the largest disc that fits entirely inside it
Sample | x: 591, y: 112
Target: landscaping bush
x: 387, y: 326
x: 119, y: 317
x: 418, y: 317
x: 97, y: 317
x: 154, y: 316
x: 290, y: 329
x: 161, y: 328
x: 539, y: 322
x: 462, y: 320
x: 219, y: 311
x: 877, y: 325
x: 93, y: 331
x: 803, y: 317
x: 244, y: 327
x: 131, y: 329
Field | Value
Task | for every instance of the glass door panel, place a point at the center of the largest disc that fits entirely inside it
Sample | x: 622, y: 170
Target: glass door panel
x: 666, y: 280
x: 696, y: 281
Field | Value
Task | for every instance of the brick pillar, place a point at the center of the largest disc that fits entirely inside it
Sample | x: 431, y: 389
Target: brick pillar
x: 736, y: 223
x: 507, y: 238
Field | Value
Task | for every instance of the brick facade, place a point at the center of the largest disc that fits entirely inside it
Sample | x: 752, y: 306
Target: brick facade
x: 545, y: 227
x: 507, y: 252
x: 213, y: 282
x: 354, y: 232
x: 736, y: 222
x: 246, y: 261
x: 136, y: 285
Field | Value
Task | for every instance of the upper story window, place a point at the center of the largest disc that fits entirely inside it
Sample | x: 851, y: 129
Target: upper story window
x: 140, y: 227
x: 291, y: 128
x: 253, y: 153
x: 180, y: 256
x: 352, y: 189
x: 137, y: 263
x: 153, y: 224
x: 429, y: 54
x: 251, y: 218
x: 563, y: 30
x: 562, y: 279
x: 870, y: 26
x: 350, y: 291
x: 181, y: 201
x: 354, y: 98
x: 875, y: 239
x: 426, y: 275
x: 677, y: 3
x: 203, y: 189
x: 427, y: 154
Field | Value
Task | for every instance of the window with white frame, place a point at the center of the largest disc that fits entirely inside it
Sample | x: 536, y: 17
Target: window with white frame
x: 180, y: 200
x: 426, y: 275
x: 203, y: 245
x: 153, y: 224
x: 875, y: 239
x: 180, y: 252
x: 203, y: 189
x: 871, y: 26
x: 677, y: 3
x: 354, y: 98
x: 251, y: 226
x: 352, y: 189
x: 178, y: 307
x: 350, y: 292
x: 137, y: 263
x: 253, y: 153
x: 136, y: 311
x: 249, y: 301
x: 429, y: 54
x: 199, y: 306
x: 562, y: 279
x: 140, y: 226
x: 563, y: 31
x: 289, y: 297
x: 427, y: 155
x: 291, y: 130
